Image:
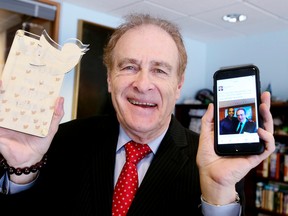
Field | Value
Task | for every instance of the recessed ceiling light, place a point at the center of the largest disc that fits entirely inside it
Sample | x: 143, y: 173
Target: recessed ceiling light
x: 233, y: 18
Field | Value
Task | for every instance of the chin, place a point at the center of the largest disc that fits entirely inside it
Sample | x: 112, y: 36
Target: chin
x: 143, y: 124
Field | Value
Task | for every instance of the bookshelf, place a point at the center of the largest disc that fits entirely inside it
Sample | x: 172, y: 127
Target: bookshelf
x: 266, y: 186
x: 263, y: 176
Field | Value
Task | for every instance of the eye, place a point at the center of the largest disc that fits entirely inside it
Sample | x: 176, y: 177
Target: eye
x: 160, y: 71
x: 129, y: 68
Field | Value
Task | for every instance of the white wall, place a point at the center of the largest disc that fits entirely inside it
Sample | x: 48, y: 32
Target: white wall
x: 268, y: 52
x: 195, y: 75
x: 69, y: 17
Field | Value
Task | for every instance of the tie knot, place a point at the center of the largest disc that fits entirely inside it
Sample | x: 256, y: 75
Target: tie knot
x: 136, y: 152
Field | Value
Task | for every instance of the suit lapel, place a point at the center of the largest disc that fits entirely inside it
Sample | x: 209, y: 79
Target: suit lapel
x: 167, y: 163
x: 104, y: 163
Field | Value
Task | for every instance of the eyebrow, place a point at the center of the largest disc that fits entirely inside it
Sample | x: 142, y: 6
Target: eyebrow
x: 153, y: 63
x: 162, y: 64
x: 127, y: 60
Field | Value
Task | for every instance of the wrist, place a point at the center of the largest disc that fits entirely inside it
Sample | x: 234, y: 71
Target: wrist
x: 236, y: 200
x: 216, y: 192
x: 25, y: 170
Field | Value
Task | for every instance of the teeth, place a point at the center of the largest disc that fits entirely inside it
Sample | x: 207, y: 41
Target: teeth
x: 141, y: 104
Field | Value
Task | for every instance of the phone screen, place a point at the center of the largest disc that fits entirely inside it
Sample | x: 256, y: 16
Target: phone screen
x: 236, y: 111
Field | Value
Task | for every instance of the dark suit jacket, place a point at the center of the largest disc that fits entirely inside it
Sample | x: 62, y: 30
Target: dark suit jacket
x: 228, y: 126
x: 249, y: 127
x: 78, y: 179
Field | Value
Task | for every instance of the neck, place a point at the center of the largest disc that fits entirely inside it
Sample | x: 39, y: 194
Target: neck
x: 146, y: 136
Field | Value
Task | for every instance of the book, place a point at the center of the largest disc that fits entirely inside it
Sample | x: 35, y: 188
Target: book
x: 275, y: 165
x: 285, y: 173
x: 262, y: 169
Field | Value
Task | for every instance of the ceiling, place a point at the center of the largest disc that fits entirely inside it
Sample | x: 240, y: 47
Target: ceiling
x: 202, y: 19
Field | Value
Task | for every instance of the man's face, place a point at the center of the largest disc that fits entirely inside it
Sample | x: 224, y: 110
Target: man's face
x: 241, y: 115
x: 143, y: 83
x: 230, y: 112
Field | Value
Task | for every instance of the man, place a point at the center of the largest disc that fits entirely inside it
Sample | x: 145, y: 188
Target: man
x: 245, y: 125
x: 146, y: 60
x: 229, y: 123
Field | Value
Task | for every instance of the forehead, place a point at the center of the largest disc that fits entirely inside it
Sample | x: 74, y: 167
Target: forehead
x: 147, y: 42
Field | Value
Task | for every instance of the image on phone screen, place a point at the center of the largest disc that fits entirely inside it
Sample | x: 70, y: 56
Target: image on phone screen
x: 237, y: 111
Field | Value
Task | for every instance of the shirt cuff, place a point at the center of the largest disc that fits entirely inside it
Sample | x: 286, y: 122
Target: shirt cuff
x: 232, y: 209
x: 2, y: 183
x: 10, y: 187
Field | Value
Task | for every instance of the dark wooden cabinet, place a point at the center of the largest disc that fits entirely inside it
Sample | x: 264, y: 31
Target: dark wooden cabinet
x: 190, y: 115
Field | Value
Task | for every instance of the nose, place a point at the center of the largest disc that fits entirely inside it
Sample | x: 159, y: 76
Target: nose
x: 143, y: 81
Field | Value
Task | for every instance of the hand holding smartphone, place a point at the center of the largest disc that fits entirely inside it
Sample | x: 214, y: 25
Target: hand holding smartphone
x: 236, y: 111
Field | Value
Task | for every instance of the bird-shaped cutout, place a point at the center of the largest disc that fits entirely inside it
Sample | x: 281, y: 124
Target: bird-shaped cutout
x: 60, y: 59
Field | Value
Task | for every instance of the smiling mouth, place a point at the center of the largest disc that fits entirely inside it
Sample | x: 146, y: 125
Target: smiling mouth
x: 137, y: 103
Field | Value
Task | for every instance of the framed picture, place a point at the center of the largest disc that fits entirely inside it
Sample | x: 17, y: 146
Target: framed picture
x: 91, y: 96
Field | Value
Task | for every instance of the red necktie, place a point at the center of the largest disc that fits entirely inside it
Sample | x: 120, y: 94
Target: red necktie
x: 127, y: 183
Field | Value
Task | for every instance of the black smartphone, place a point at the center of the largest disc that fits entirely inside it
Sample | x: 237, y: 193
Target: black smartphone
x: 236, y: 111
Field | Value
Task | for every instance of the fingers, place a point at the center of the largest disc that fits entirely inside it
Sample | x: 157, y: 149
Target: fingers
x: 207, y: 124
x: 59, y: 110
x: 207, y: 127
x: 266, y: 98
x: 208, y: 116
x: 268, y: 139
x: 58, y: 115
x: 266, y: 133
x: 265, y: 112
x: 267, y: 118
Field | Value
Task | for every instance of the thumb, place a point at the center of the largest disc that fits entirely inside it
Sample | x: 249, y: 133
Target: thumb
x: 207, y: 120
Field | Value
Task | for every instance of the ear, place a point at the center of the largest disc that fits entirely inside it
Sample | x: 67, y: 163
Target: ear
x: 109, y: 82
x: 179, y: 86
